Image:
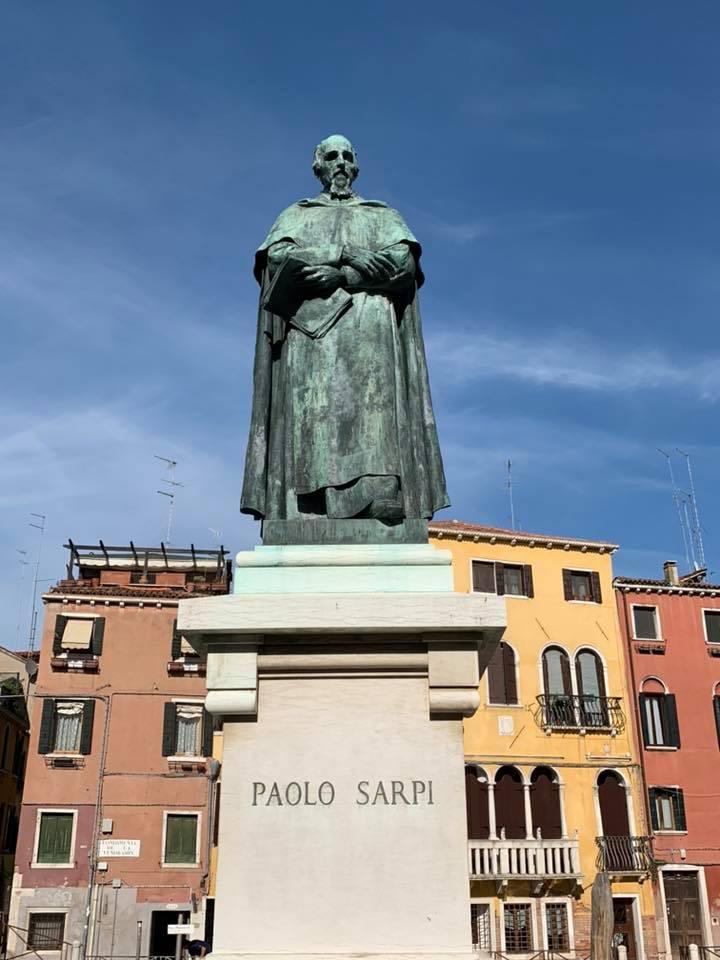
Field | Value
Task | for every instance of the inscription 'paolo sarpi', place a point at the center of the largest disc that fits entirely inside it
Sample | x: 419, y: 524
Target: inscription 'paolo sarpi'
x: 304, y: 793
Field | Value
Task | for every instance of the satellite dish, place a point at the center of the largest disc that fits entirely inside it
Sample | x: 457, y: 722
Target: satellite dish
x: 32, y: 668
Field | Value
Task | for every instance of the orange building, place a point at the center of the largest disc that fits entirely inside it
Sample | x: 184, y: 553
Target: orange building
x: 116, y: 821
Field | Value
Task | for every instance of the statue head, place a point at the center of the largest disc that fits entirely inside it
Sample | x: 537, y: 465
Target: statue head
x: 335, y: 165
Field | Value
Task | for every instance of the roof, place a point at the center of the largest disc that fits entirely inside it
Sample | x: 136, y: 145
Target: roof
x: 463, y: 530
x: 146, y: 593
x: 645, y: 584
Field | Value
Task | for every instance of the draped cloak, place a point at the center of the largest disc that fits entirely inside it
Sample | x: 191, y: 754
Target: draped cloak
x: 356, y: 402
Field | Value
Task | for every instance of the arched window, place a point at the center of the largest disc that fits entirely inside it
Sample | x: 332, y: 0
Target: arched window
x: 613, y: 805
x: 558, y: 706
x: 510, y: 803
x: 476, y: 803
x: 502, y: 684
x: 591, y: 689
x: 545, y: 803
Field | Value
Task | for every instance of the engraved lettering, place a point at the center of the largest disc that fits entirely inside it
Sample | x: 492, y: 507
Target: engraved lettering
x: 380, y: 792
x: 329, y: 793
x: 296, y: 793
x: 274, y: 795
x: 397, y: 791
x: 430, y: 798
x: 362, y: 790
x: 258, y: 790
x: 307, y: 801
x: 418, y: 787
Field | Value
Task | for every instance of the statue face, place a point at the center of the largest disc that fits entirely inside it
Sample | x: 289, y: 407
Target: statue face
x: 336, y: 165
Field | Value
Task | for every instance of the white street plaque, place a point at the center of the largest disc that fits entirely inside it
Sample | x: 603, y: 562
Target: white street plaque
x: 118, y: 848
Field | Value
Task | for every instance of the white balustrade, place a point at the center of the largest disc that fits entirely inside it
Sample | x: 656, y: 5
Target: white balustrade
x: 524, y: 858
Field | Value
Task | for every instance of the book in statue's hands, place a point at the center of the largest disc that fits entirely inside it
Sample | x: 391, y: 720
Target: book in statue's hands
x: 315, y: 316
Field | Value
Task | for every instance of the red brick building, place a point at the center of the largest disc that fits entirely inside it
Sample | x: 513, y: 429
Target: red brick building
x: 672, y: 633
x: 116, y: 820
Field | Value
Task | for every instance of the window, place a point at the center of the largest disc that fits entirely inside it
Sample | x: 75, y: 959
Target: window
x: 545, y: 803
x: 46, y: 931
x: 517, y: 922
x: 511, y: 579
x: 66, y: 726
x: 54, y: 840
x: 716, y: 710
x: 582, y: 585
x: 78, y: 635
x: 5, y: 743
x: 480, y: 923
x: 667, y: 809
x: 142, y: 576
x: 712, y: 625
x: 187, y: 731
x: 556, y: 922
x: 645, y: 623
x: 502, y: 685
x: 590, y: 678
x: 180, y: 838
x: 659, y: 720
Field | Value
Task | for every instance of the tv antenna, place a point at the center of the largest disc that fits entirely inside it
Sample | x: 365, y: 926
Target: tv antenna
x: 695, y: 527
x: 509, y: 485
x: 170, y: 494
x: 38, y: 522
x: 23, y: 563
x: 688, y: 514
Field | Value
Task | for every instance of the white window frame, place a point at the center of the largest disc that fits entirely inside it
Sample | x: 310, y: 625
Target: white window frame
x: 703, y: 611
x: 533, y: 925
x: 669, y: 786
x: 66, y: 753
x: 589, y: 570
x: 57, y: 910
x: 658, y: 625
x: 543, y: 920
x: 489, y: 902
x: 198, y: 836
x: 180, y: 758
x: 36, y: 842
x: 484, y: 593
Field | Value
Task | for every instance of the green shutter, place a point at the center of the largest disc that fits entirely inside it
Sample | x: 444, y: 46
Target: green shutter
x: 642, y: 699
x: 55, y: 840
x: 46, y: 740
x: 652, y: 795
x: 678, y: 802
x: 176, y: 641
x: 98, y: 632
x: 60, y: 622
x: 207, y: 734
x: 671, y: 720
x: 169, y: 737
x: 181, y: 838
x: 87, y: 727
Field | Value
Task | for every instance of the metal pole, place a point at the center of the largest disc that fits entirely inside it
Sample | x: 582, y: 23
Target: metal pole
x: 138, y: 940
x: 178, y: 940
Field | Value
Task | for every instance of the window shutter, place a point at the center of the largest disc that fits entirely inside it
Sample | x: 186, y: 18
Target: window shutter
x: 528, y: 581
x: 207, y: 734
x: 46, y: 740
x: 567, y: 584
x: 652, y: 795
x: 176, y: 641
x: 500, y: 579
x: 496, y: 685
x: 510, y: 683
x: 716, y: 706
x: 678, y: 801
x: 671, y: 720
x: 98, y: 632
x: 169, y: 737
x: 596, y: 591
x: 642, y: 699
x: 60, y: 622
x: 87, y: 727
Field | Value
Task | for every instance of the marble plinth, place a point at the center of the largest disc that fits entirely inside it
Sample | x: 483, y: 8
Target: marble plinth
x: 342, y: 829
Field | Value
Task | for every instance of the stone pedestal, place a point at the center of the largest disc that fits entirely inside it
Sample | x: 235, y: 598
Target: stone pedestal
x: 343, y: 674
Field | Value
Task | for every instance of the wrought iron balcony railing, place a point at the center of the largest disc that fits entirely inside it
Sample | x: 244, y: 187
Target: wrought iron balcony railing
x: 560, y: 712
x: 625, y: 855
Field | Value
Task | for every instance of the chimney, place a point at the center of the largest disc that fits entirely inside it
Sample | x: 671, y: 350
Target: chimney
x: 670, y: 569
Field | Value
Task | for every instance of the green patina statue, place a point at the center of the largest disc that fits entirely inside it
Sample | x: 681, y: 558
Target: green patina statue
x: 343, y: 446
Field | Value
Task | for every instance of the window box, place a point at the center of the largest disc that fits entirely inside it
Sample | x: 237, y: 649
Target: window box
x: 76, y: 665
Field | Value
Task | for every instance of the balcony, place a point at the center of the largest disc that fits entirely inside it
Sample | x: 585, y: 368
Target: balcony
x: 558, y: 712
x: 625, y: 856
x: 538, y: 860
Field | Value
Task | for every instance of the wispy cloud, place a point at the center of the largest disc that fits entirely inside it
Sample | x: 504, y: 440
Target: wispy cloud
x: 571, y: 362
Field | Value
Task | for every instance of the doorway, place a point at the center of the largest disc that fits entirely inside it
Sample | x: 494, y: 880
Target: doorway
x: 162, y: 943
x: 624, y: 927
x: 682, y: 901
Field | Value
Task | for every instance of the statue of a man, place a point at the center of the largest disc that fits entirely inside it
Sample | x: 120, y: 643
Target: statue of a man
x: 342, y: 421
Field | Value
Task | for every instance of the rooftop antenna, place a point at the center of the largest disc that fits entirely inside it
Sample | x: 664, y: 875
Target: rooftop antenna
x: 173, y: 483
x: 510, y: 494
x: 23, y: 563
x: 678, y: 500
x: 38, y: 522
x: 696, y: 528
x: 216, y: 533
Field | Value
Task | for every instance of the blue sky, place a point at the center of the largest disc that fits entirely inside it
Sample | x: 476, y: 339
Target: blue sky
x: 558, y: 161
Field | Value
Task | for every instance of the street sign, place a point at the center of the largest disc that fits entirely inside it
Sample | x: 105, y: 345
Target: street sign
x: 184, y: 928
x: 118, y: 848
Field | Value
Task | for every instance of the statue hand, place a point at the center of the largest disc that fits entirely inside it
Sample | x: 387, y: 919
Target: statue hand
x: 322, y: 278
x: 374, y: 266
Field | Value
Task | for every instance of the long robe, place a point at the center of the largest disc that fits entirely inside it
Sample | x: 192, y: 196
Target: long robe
x: 356, y: 402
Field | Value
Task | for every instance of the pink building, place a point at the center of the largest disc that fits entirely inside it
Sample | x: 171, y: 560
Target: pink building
x: 672, y: 635
x: 116, y: 822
